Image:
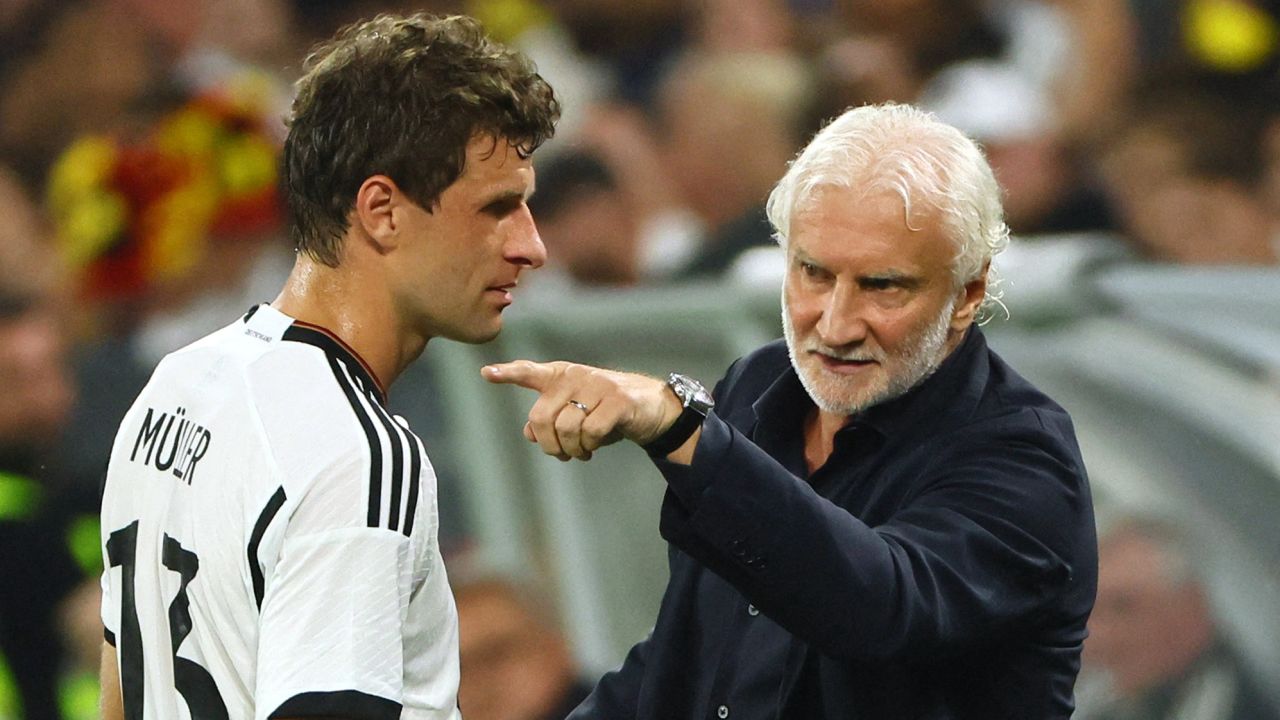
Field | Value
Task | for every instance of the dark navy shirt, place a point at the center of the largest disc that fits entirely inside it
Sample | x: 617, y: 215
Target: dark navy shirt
x: 941, y: 564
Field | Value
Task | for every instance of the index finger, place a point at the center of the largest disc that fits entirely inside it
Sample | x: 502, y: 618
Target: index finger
x: 525, y: 373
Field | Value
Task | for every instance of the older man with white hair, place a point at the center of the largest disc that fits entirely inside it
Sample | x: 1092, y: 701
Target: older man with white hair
x: 876, y: 517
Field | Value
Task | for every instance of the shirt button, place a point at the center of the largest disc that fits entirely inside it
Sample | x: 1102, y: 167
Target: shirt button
x: 752, y: 610
x: 722, y: 712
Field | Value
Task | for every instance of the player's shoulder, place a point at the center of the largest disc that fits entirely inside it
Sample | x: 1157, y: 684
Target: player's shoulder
x: 325, y: 417
x: 223, y: 355
x: 318, y: 402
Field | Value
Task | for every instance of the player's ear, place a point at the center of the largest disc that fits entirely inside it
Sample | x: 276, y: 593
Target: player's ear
x: 375, y: 201
x: 969, y: 299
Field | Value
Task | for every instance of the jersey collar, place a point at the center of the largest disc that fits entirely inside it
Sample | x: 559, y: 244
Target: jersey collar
x: 331, y: 344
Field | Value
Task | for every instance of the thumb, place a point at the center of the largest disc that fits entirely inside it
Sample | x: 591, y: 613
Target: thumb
x: 524, y: 373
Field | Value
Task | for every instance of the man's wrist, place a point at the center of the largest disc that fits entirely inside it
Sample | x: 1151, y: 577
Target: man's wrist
x: 694, y: 402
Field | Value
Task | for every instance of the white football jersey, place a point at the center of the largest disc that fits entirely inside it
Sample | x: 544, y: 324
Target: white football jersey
x: 269, y: 537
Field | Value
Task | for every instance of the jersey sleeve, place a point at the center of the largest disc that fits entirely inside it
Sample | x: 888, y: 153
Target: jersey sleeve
x: 110, y: 609
x: 334, y: 608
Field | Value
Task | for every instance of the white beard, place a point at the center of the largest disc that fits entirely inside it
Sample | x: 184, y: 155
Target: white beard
x: 840, y: 395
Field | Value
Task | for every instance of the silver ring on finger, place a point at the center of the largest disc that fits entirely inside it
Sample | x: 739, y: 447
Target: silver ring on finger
x: 579, y: 405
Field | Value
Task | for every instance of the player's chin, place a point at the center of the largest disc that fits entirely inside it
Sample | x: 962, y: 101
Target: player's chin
x: 479, y: 332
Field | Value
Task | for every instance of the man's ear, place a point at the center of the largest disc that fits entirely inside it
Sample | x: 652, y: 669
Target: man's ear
x: 375, y: 201
x: 970, y: 300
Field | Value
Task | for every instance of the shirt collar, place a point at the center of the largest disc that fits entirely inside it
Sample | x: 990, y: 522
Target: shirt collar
x: 298, y: 331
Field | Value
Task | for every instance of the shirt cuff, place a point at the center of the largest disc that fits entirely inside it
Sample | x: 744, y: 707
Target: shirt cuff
x: 689, y: 482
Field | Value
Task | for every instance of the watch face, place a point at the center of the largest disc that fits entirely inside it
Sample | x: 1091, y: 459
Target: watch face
x: 691, y: 392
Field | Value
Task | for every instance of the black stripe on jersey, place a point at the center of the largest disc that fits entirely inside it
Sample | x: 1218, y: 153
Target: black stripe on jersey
x: 355, y: 380
x: 249, y: 314
x: 109, y: 636
x: 340, y: 703
x: 394, y: 438
x: 415, y: 478
x: 335, y: 349
x: 255, y: 541
x: 375, y: 444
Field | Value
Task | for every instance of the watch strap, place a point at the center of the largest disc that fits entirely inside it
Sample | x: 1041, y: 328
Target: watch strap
x: 676, y: 435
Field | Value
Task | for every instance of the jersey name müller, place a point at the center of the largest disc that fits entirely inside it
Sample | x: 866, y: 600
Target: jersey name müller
x: 269, y: 536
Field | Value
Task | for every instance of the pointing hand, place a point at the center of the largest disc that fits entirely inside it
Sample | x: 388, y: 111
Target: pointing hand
x: 580, y: 408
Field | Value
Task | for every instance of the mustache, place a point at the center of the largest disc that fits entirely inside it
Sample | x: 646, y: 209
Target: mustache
x: 859, y: 354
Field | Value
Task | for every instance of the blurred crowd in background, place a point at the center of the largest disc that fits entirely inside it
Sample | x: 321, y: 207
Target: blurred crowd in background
x: 138, y: 211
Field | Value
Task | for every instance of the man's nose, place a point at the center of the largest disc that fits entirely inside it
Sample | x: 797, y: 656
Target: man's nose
x: 843, y: 322
x: 524, y: 244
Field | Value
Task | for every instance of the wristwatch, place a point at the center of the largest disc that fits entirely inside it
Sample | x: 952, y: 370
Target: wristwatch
x: 697, y: 403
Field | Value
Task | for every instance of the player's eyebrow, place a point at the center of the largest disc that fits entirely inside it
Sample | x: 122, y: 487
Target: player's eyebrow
x: 503, y: 202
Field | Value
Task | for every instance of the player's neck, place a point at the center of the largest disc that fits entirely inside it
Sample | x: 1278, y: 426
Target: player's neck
x: 352, y: 302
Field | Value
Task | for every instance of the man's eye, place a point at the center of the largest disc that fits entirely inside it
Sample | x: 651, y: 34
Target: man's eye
x: 502, y: 208
x: 809, y: 269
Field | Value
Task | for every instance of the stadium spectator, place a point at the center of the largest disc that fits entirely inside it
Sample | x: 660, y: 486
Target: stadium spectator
x: 515, y: 662
x: 114, y: 60
x: 761, y: 102
x: 1186, y: 175
x: 1047, y: 188
x: 746, y: 26
x: 1153, y: 637
x: 168, y: 230
x: 888, y: 51
x: 1123, y: 45
x: 270, y: 528
x: 48, y: 539
x: 589, y: 225
x: 879, y: 518
x: 634, y: 39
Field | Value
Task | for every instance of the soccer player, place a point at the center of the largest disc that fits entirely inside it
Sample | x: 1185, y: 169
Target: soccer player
x: 269, y: 528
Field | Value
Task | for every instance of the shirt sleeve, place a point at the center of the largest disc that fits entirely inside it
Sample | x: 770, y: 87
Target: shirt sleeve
x: 334, y: 608
x: 989, y: 542
x: 110, y: 609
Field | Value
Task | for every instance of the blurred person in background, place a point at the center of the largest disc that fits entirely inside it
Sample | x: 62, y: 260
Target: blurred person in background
x: 168, y: 228
x: 1046, y: 187
x: 633, y: 39
x: 1154, y: 650
x: 1185, y: 168
x: 889, y: 50
x: 752, y: 107
x: 171, y: 148
x: 996, y: 70
x: 111, y: 60
x: 746, y: 26
x: 1121, y: 46
x: 48, y: 595
x: 668, y: 232
x: 515, y: 662
x: 874, y: 517
x: 588, y: 224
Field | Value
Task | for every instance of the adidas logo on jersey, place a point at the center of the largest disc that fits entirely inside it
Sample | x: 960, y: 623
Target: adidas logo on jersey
x: 172, y: 448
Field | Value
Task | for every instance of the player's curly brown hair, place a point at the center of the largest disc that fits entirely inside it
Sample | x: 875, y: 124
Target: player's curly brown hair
x: 401, y: 97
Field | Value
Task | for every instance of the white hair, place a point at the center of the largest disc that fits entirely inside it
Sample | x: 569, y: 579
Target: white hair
x: 905, y: 150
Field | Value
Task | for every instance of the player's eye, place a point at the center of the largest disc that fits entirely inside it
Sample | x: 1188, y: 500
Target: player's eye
x: 502, y: 207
